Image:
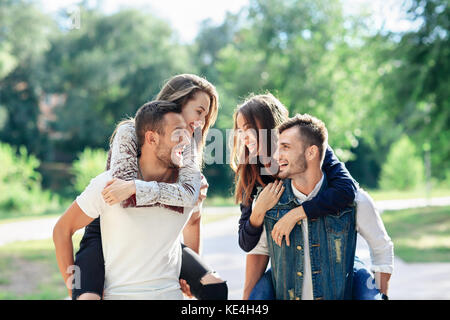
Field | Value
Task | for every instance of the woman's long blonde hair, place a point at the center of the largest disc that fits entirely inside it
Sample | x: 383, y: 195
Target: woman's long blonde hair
x: 180, y: 89
x: 262, y: 111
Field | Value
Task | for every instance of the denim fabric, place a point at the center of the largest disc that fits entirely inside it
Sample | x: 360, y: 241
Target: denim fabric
x: 263, y: 289
x: 363, y: 285
x: 340, y: 193
x: 332, y: 242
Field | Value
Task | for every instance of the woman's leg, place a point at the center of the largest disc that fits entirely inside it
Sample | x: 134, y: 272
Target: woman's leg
x: 89, y: 282
x: 364, y: 283
x: 205, y: 284
x: 263, y: 290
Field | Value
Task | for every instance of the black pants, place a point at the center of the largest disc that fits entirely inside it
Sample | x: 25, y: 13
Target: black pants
x: 91, y: 264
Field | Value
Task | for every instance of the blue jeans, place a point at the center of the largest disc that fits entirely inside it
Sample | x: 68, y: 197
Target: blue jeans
x: 363, y: 285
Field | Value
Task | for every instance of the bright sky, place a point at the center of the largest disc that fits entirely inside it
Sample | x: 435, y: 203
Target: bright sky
x: 185, y: 15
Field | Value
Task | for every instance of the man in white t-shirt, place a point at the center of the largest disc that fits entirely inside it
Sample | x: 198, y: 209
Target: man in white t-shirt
x: 141, y: 246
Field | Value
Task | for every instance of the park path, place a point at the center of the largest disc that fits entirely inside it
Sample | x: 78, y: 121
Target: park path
x: 221, y: 250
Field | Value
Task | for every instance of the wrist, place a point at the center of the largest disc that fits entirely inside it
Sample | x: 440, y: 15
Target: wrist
x: 131, y: 187
x: 298, y: 214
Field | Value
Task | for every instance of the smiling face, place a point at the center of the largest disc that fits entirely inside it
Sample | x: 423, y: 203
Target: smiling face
x: 247, y: 134
x: 195, y: 111
x: 291, y: 154
x: 172, y: 142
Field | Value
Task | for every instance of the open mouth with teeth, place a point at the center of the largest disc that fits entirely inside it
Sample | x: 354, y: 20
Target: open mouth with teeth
x: 283, y: 165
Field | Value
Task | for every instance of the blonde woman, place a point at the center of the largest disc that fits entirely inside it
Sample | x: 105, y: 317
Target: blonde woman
x: 198, y: 99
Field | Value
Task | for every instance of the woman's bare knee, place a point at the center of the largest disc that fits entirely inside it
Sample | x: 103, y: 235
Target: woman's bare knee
x: 211, y: 278
x: 89, y: 296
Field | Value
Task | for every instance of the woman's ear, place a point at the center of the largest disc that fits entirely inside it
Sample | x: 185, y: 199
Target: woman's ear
x: 151, y: 137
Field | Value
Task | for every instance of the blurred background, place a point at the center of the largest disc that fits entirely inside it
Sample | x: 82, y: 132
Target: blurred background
x: 376, y: 72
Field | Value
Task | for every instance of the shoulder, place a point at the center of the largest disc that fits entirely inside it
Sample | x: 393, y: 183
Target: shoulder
x: 100, y: 181
x: 363, y: 199
x: 126, y: 128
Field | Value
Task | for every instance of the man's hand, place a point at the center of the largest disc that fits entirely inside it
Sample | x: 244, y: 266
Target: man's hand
x: 186, y: 289
x: 384, y: 281
x: 118, y: 190
x: 285, y: 225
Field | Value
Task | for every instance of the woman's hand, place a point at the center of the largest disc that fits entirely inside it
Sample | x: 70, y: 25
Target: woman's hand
x: 203, y: 191
x: 285, y: 225
x: 118, y: 190
x: 267, y: 199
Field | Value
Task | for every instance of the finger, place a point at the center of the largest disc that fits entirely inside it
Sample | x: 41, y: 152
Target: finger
x: 280, y: 192
x: 274, y: 186
x: 107, y: 199
x: 110, y: 182
x: 188, y: 291
x: 275, y: 236
x: 279, y: 187
x: 286, y: 236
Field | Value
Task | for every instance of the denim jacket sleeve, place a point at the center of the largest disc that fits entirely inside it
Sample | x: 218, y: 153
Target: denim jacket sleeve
x: 248, y: 234
x: 340, y: 192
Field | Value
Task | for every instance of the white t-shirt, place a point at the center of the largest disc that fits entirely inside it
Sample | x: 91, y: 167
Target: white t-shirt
x: 141, y: 246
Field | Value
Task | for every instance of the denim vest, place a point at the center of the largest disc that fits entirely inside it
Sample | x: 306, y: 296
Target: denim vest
x: 332, y: 245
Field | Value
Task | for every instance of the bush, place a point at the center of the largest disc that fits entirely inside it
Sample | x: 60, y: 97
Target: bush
x: 403, y: 168
x: 90, y: 163
x: 20, y: 185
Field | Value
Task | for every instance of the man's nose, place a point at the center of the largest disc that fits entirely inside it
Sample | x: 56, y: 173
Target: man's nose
x: 276, y: 154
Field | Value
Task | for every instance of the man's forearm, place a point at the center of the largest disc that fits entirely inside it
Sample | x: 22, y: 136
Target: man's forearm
x: 64, y: 256
x: 255, y: 266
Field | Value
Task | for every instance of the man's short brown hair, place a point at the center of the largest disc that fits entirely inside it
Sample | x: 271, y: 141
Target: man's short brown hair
x: 150, y: 117
x: 312, y: 131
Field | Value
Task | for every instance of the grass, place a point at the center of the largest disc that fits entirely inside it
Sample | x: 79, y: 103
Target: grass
x: 28, y: 271
x: 379, y: 195
x: 420, y: 235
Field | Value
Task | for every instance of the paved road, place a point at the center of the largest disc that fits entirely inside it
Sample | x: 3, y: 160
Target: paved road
x: 409, y: 281
x: 221, y: 251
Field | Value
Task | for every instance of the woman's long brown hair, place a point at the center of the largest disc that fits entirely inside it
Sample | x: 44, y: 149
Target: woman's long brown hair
x: 260, y: 112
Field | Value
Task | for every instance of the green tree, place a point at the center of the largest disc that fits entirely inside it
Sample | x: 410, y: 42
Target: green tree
x: 89, y: 164
x: 24, y: 36
x: 416, y: 81
x: 105, y: 71
x: 403, y: 169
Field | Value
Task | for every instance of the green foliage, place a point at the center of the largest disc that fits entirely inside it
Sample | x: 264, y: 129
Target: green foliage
x: 416, y: 80
x: 20, y: 185
x: 309, y: 54
x: 106, y: 70
x: 89, y: 164
x: 403, y: 168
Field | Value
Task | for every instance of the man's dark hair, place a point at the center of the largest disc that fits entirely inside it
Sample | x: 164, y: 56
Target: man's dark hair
x: 150, y: 117
x: 312, y: 131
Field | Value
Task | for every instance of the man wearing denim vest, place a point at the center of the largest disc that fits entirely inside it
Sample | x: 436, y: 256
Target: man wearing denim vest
x: 315, y: 261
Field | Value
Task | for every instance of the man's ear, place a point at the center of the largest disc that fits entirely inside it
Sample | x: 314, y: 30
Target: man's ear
x: 151, y: 137
x: 312, y: 152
